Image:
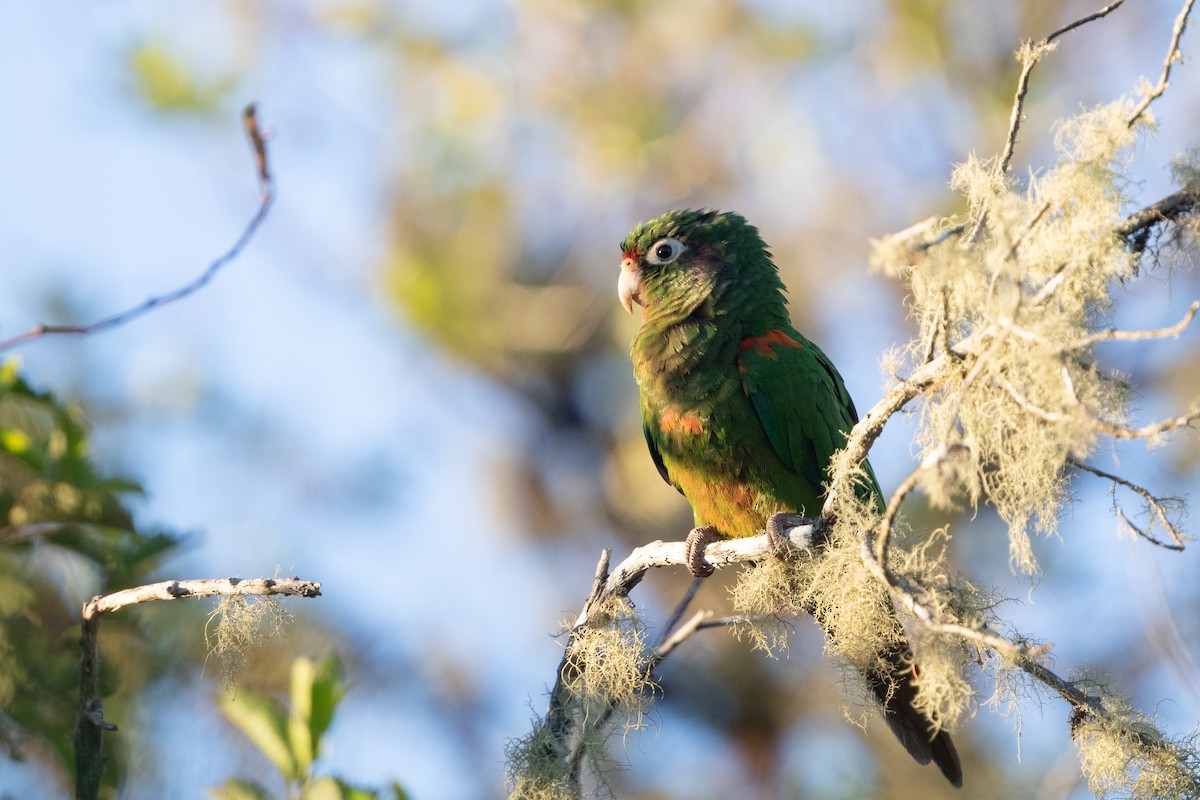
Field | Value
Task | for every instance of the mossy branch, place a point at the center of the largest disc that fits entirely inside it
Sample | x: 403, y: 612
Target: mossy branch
x: 605, y: 641
x: 89, y: 722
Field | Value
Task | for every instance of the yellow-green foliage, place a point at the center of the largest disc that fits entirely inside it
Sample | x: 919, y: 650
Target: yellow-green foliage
x: 1127, y: 756
x: 1010, y: 299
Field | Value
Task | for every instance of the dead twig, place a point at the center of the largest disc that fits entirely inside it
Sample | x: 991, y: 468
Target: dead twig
x: 267, y: 187
x: 1173, y: 55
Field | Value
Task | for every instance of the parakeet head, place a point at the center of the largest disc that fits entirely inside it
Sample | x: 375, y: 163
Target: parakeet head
x: 689, y: 263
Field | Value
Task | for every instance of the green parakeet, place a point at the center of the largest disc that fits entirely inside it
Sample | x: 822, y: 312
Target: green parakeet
x: 743, y: 414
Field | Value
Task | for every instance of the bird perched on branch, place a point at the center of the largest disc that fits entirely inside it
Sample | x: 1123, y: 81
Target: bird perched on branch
x: 742, y: 414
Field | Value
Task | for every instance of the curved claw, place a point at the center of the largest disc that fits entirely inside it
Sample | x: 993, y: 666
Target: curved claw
x: 697, y: 540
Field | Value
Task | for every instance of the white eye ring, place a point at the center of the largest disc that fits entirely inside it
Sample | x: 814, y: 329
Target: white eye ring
x: 664, y: 251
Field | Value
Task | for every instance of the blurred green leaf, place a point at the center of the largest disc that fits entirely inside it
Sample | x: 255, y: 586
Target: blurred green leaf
x: 264, y: 720
x: 316, y: 690
x: 238, y: 789
x: 323, y: 789
x: 303, y: 743
x: 168, y: 84
x: 328, y: 688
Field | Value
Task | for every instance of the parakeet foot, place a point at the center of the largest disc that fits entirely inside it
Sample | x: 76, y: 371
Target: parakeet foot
x: 697, y: 540
x: 779, y: 527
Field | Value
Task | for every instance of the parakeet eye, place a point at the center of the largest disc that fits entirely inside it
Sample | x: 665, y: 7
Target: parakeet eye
x: 664, y: 251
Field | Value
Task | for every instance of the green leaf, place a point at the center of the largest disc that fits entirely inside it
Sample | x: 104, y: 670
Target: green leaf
x: 316, y: 690
x: 238, y: 789
x: 324, y: 789
x: 264, y: 720
x: 304, y: 744
x: 328, y: 688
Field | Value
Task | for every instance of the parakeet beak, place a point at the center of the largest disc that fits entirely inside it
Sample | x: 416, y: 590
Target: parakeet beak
x: 629, y: 284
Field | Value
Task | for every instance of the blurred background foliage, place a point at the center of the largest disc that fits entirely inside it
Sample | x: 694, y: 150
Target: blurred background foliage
x: 504, y: 149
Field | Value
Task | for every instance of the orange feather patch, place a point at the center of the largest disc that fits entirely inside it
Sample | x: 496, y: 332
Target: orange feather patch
x: 673, y: 422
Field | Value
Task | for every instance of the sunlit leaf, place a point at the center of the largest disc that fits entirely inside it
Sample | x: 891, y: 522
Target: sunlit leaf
x: 239, y: 789
x: 264, y: 720
x: 328, y: 687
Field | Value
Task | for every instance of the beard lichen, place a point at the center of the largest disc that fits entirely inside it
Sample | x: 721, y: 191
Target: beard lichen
x: 863, y: 630
x: 236, y: 625
x: 1124, y: 754
x: 606, y: 671
x: 1010, y: 301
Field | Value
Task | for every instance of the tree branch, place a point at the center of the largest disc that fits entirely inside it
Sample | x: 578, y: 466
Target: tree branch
x: 1169, y: 60
x: 1137, y: 227
x: 1101, y: 425
x: 1031, y: 55
x: 1118, y: 335
x: 1156, y: 504
x: 89, y: 720
x: 267, y: 189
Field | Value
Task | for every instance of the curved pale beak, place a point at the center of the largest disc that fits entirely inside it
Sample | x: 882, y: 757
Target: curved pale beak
x: 629, y: 284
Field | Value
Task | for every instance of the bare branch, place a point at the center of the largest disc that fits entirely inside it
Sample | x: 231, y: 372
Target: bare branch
x: 1032, y: 54
x: 1173, y: 55
x: 89, y: 719
x: 203, y: 587
x: 724, y: 553
x: 1101, y: 425
x: 1155, y: 504
x: 267, y: 187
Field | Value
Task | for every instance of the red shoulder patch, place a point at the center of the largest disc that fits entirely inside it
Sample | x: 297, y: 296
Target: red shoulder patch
x: 765, y: 345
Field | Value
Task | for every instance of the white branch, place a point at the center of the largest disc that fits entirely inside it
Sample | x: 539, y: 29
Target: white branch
x: 201, y: 587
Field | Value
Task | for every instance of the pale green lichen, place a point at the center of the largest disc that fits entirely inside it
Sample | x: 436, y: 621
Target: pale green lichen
x: 1124, y: 754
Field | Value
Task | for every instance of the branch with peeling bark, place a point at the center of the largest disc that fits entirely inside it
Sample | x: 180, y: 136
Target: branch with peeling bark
x: 89, y: 722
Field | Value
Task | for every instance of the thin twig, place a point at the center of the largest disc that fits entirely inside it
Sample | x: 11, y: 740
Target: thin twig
x: 267, y: 188
x: 1169, y: 60
x: 1034, y: 54
x: 1118, y: 335
x: 681, y: 608
x: 1031, y: 55
x: 1155, y: 503
x: 1101, y: 425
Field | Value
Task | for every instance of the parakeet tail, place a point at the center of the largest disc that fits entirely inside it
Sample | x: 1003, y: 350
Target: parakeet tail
x: 911, y: 727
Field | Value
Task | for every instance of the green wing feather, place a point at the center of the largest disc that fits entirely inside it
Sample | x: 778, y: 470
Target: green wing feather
x: 803, y: 406
x: 656, y: 454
